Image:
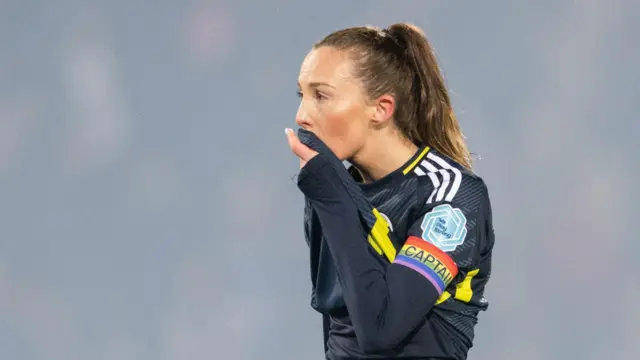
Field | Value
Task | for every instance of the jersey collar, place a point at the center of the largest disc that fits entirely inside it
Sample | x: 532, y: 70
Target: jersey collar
x: 399, y: 173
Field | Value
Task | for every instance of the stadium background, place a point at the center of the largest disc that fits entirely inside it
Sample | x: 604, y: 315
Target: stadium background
x: 147, y: 209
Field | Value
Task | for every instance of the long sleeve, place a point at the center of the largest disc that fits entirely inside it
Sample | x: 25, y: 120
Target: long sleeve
x: 326, y: 293
x: 385, y: 301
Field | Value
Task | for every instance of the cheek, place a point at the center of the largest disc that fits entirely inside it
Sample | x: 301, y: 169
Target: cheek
x: 342, y: 128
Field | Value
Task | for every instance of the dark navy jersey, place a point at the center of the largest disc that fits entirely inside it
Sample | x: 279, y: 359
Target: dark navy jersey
x: 398, y: 266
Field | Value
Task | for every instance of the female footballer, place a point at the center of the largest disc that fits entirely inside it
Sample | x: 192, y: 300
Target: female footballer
x: 401, y: 241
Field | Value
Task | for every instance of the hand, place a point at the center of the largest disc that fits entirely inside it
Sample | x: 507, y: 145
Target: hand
x: 301, y: 150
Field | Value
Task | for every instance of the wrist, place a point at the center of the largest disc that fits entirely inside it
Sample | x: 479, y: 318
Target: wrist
x: 313, y: 179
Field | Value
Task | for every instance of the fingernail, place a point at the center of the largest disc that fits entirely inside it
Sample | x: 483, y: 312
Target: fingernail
x: 287, y: 131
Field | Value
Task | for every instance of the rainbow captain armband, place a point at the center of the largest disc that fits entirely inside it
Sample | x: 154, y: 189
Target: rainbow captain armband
x: 428, y: 261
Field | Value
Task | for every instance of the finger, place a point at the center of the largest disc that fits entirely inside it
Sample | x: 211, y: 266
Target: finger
x: 294, y: 142
x: 292, y: 139
x: 298, y: 148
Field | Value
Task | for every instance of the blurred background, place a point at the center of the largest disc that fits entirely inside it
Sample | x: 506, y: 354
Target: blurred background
x: 148, y: 211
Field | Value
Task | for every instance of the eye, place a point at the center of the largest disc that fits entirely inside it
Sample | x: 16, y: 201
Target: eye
x: 319, y: 96
x: 316, y: 94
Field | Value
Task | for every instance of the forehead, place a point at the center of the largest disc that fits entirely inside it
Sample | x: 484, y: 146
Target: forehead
x: 326, y: 64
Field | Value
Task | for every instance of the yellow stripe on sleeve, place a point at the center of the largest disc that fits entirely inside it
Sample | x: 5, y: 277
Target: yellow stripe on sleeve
x: 445, y: 295
x: 463, y: 290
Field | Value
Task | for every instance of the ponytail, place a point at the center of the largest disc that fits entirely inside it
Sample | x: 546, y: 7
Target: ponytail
x: 433, y: 122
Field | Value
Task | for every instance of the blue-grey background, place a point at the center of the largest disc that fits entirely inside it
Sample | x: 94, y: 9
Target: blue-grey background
x: 148, y: 211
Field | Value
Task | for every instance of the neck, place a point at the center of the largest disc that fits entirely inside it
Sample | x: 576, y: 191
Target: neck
x: 382, y: 155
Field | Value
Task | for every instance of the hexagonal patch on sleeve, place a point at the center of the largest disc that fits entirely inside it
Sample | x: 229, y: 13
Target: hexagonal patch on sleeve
x: 444, y: 227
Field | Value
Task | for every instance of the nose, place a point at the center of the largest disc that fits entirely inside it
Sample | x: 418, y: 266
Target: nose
x: 302, y: 123
x: 302, y: 118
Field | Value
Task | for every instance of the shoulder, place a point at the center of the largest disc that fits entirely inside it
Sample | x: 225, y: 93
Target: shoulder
x: 457, y: 203
x: 446, y: 181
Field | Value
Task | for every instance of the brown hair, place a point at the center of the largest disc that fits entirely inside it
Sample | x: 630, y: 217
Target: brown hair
x: 399, y: 60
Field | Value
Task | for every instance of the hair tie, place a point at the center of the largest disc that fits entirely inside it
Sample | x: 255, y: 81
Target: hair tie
x: 389, y: 35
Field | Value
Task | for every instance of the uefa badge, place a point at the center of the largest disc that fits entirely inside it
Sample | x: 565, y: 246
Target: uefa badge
x: 444, y: 227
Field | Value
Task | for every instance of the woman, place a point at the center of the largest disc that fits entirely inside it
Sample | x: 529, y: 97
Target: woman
x: 401, y: 242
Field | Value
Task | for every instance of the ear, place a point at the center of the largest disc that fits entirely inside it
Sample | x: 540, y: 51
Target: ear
x: 385, y: 106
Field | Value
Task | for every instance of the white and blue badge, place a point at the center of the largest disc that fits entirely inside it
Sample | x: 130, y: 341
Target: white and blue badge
x: 444, y: 227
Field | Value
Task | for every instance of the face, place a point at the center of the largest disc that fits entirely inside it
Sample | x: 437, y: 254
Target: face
x: 333, y: 103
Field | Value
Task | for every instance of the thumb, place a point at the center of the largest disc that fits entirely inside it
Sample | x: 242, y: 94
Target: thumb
x: 298, y: 148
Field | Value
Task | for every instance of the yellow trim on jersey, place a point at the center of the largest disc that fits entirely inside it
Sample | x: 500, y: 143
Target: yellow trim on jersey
x: 379, y: 237
x: 444, y: 297
x: 375, y: 246
x: 463, y: 289
x: 416, y: 161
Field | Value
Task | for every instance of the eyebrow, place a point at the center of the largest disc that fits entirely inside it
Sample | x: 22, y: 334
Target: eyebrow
x: 315, y: 84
